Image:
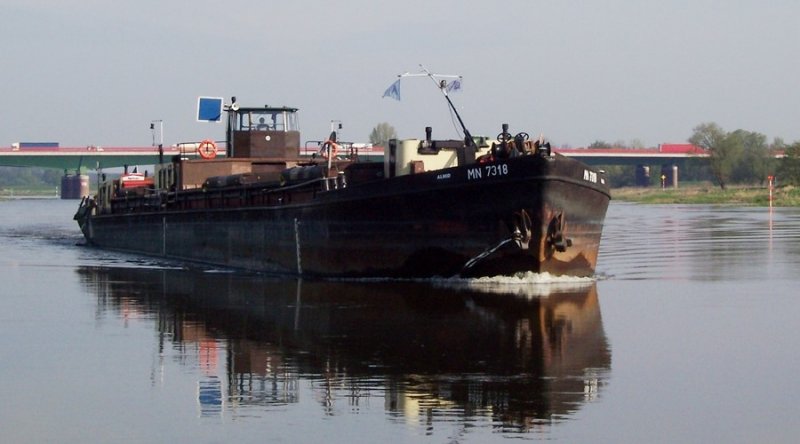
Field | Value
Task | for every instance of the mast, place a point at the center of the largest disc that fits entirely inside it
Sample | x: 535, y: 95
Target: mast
x: 442, y: 85
x: 231, y: 109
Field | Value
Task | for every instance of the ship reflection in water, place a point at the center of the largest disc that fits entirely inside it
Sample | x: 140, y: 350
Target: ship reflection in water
x: 425, y: 352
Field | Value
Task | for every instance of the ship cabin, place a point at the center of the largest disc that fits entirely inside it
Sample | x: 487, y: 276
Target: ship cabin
x: 413, y: 156
x: 261, y: 143
x: 268, y: 132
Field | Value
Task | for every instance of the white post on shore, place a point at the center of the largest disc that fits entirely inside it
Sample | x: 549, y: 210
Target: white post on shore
x: 771, y: 181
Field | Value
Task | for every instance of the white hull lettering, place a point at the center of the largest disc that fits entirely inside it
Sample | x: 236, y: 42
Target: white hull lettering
x: 474, y: 173
x: 487, y: 171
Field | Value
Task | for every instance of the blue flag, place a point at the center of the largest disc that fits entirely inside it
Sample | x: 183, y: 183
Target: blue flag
x: 455, y: 85
x: 393, y: 91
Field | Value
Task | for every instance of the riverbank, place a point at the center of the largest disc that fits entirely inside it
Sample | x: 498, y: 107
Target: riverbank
x: 787, y: 196
x: 29, y: 193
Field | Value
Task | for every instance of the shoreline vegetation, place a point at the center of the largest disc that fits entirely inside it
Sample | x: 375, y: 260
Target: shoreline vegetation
x: 704, y: 193
x: 29, y: 192
x: 708, y: 194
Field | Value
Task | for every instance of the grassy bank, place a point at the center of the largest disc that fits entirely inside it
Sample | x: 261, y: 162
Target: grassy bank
x: 787, y: 196
x: 43, y: 191
x: 709, y: 194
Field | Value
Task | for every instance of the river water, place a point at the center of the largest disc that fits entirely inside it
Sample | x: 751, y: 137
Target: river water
x: 687, y: 335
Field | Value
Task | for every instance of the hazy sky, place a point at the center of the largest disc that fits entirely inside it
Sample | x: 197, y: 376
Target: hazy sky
x: 98, y: 72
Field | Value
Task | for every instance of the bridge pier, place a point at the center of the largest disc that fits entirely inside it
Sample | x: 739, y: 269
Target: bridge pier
x: 74, y: 186
x: 670, y: 175
x: 642, y: 176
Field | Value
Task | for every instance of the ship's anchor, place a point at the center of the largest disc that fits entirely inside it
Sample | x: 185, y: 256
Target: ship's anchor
x: 555, y: 234
x: 522, y: 232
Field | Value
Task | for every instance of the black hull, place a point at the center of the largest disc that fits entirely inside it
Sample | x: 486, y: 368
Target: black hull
x: 448, y: 222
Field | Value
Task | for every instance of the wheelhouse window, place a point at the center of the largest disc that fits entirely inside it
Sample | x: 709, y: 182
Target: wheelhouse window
x: 267, y: 119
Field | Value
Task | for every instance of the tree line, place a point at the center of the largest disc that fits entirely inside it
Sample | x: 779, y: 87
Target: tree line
x: 735, y: 157
x: 29, y: 177
x: 740, y: 156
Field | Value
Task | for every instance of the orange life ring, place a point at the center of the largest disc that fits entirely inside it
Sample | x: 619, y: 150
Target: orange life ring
x: 334, y: 149
x: 207, y: 149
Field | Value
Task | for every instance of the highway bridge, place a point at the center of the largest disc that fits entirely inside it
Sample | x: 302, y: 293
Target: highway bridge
x: 665, y: 154
x: 94, y: 157
x: 77, y: 159
x: 91, y: 157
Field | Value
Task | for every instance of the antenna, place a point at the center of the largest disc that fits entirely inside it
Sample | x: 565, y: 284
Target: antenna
x: 160, y: 131
x: 441, y: 83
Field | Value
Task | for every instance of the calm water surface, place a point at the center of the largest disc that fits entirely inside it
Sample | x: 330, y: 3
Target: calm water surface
x: 688, y: 335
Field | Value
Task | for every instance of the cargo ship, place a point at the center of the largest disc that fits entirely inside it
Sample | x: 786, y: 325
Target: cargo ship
x: 474, y: 207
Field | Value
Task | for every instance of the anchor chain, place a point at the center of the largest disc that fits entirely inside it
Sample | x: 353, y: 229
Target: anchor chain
x: 521, y: 235
x: 471, y: 263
